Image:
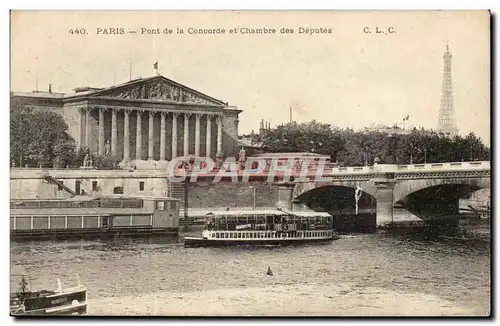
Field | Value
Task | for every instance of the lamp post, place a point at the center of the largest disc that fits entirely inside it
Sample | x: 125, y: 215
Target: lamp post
x: 425, y: 155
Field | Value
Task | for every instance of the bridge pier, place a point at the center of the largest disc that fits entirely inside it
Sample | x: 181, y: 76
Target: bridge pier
x: 285, y: 195
x: 385, y: 196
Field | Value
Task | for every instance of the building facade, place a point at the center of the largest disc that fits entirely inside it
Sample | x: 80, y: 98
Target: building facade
x: 153, y: 119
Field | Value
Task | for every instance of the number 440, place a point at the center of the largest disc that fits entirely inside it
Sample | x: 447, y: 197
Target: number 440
x: 78, y: 31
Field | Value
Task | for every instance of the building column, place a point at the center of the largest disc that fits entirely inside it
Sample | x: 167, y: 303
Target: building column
x: 209, y: 137
x: 197, y: 135
x: 81, y: 138
x: 88, y: 130
x: 151, y: 136
x: 162, y: 136
x: 186, y: 133
x: 101, y: 131
x: 138, y: 137
x: 384, y: 196
x: 219, y: 136
x: 114, y: 133
x: 174, y: 134
x: 126, y: 135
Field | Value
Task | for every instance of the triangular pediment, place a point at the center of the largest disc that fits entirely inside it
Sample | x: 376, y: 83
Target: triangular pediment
x: 157, y: 88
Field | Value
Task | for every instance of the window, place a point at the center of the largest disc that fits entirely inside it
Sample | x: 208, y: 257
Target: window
x: 94, y: 185
x: 217, y: 235
x: 77, y: 187
x: 60, y: 185
x: 160, y: 205
x: 118, y: 190
x: 141, y: 185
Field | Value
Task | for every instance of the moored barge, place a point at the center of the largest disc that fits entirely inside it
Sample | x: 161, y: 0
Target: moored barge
x: 88, y: 217
x: 263, y: 228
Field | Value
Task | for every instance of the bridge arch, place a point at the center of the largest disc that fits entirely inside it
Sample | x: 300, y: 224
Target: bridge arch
x: 405, y: 188
x: 302, y: 188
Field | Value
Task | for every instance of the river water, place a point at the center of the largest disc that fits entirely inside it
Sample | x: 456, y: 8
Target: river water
x: 357, y: 275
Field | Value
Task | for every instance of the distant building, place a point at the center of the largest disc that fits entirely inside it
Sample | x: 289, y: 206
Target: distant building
x: 394, y: 130
x: 152, y: 119
x: 251, y: 148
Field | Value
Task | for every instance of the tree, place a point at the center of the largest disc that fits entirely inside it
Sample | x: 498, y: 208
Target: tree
x: 312, y: 137
x: 353, y: 148
x: 39, y: 138
x: 64, y: 153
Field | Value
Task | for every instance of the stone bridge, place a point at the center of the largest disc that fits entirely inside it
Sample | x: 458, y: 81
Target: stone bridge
x: 408, y: 185
x: 413, y: 186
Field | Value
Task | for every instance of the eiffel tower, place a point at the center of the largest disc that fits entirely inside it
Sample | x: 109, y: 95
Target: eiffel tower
x: 446, y: 121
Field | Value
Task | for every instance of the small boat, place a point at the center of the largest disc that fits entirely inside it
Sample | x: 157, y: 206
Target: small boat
x: 263, y: 228
x: 62, y: 301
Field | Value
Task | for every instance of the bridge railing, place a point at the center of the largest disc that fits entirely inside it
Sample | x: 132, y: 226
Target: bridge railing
x: 446, y: 166
x: 327, y: 170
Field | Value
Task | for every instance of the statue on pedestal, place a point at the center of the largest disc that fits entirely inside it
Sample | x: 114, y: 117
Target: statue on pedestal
x: 242, y: 155
x: 86, y: 160
x: 242, y: 158
x: 219, y: 159
x: 107, y: 147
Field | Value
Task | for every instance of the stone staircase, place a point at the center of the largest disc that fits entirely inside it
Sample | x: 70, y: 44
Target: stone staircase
x: 178, y: 190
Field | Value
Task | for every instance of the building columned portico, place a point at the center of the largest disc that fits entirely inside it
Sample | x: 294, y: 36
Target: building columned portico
x: 145, y: 119
x: 154, y: 152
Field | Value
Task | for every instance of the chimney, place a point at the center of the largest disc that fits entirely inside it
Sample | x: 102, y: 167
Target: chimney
x: 50, y: 88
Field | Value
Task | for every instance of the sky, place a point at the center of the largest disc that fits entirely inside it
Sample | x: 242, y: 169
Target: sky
x: 347, y: 78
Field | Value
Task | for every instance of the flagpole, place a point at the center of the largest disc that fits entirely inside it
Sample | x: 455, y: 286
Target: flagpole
x: 36, y: 86
x: 130, y: 66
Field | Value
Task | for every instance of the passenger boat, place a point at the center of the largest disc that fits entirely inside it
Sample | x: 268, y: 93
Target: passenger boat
x: 263, y: 227
x: 62, y: 301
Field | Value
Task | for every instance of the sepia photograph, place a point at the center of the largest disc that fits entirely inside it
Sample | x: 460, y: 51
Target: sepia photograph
x: 250, y: 163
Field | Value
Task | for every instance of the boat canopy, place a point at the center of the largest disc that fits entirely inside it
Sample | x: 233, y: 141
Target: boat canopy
x: 269, y: 212
x: 311, y: 214
x: 246, y: 212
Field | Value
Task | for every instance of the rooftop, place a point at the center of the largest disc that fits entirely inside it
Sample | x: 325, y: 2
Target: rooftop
x: 290, y: 155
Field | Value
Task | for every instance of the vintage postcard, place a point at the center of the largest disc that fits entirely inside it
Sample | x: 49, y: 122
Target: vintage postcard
x: 250, y: 163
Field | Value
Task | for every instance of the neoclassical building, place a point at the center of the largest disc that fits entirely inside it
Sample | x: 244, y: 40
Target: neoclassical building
x: 151, y: 118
